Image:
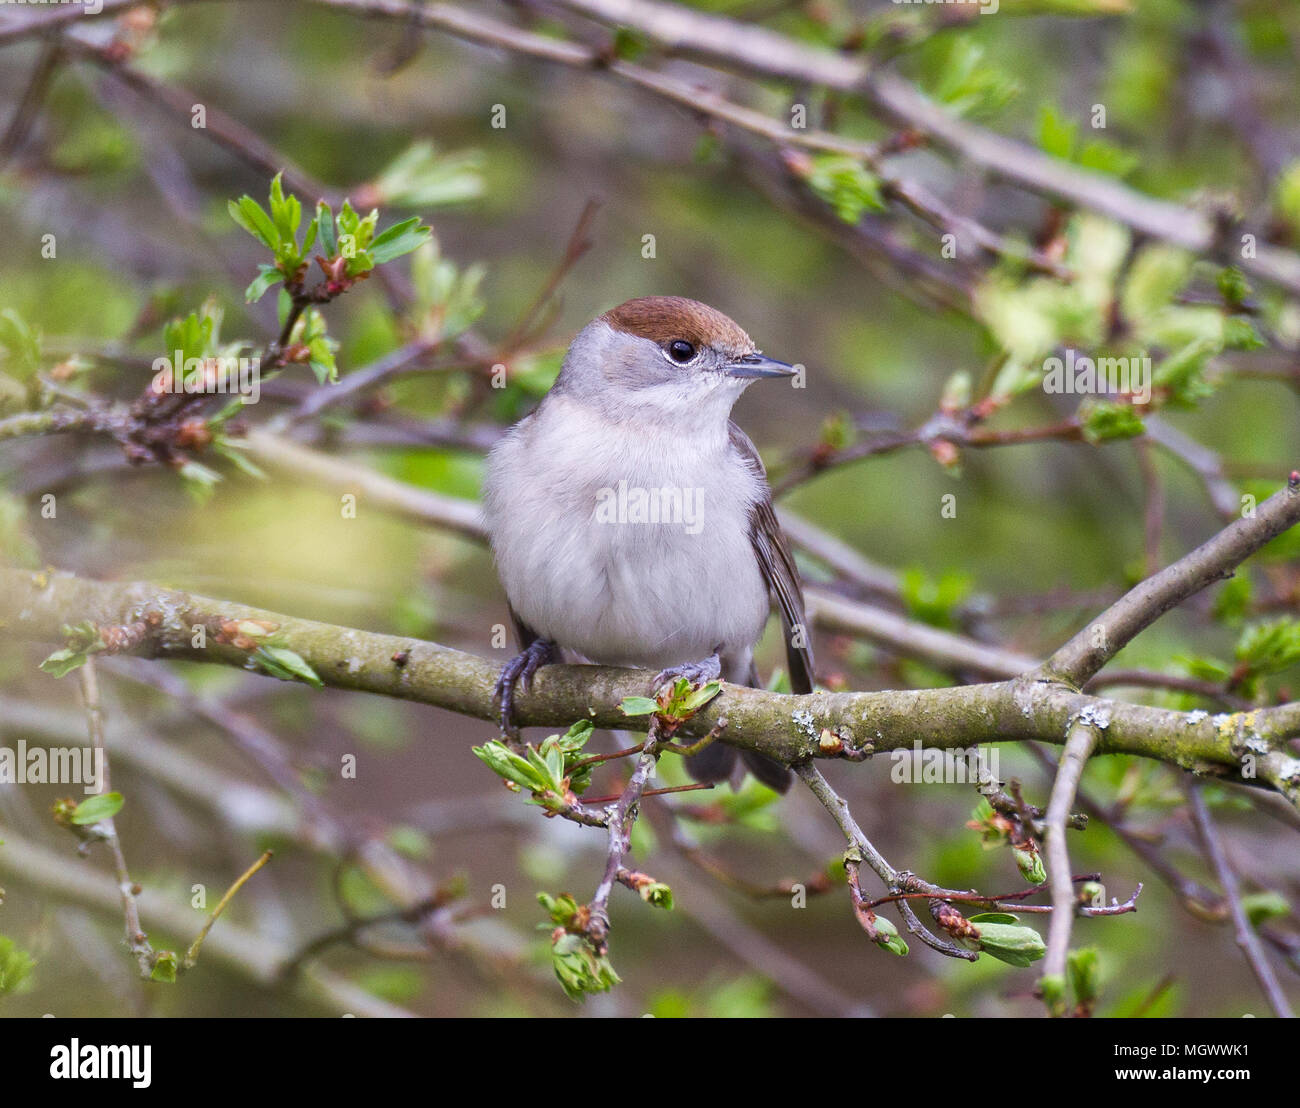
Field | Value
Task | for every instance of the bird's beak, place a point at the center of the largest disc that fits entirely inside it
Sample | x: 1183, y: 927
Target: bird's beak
x: 756, y: 365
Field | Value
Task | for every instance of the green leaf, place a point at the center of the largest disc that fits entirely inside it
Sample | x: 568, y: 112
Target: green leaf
x: 889, y: 938
x: 200, y: 480
x: 1082, y: 968
x: 638, y: 706
x: 83, y: 636
x: 580, y: 970
x: 287, y: 665
x: 968, y: 85
x: 1030, y: 865
x: 696, y: 700
x: 1207, y: 669
x: 1105, y: 157
x: 577, y: 736
x: 1157, y: 275
x: 1270, y: 647
x: 233, y: 451
x: 561, y: 909
x: 267, y: 275
x: 1233, y: 601
x: 1056, y: 134
x: 657, y: 894
x: 955, y: 396
x: 1105, y: 420
x: 1233, y: 286
x: 401, y: 238
x: 95, y: 808
x: 195, y: 336
x: 422, y: 178
x: 22, y: 343
x: 751, y: 807
x: 447, y: 302
x: 1286, y: 196
x: 934, y: 600
x: 1052, y: 987
x: 83, y: 639
x: 312, y: 229
x: 1240, y: 333
x: 286, y: 212
x: 62, y: 662
x: 1181, y: 373
x: 846, y: 185
x: 360, y: 230
x: 329, y: 243
x: 15, y: 966
x: 248, y: 213
x: 164, y: 967
x: 504, y: 762
x: 321, y: 359
x: 629, y: 44
x: 1014, y: 944
x: 1262, y: 907
x: 410, y: 841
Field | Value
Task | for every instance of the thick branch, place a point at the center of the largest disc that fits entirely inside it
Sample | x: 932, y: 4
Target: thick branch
x: 788, y: 728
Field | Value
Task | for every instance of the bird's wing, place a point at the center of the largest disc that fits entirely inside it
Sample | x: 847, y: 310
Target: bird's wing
x: 779, y: 570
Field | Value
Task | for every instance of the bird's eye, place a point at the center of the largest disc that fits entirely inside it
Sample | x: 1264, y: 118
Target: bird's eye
x: 681, y: 351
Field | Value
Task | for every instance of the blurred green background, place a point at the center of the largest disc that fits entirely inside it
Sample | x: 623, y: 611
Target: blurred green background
x: 137, y: 201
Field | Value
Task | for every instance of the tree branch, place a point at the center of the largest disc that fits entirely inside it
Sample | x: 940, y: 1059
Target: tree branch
x: 1245, y: 935
x: 1090, y: 649
x: 761, y: 51
x: 788, y: 728
x: 1080, y: 744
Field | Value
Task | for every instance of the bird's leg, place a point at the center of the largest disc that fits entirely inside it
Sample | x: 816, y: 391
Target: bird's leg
x: 705, y: 760
x: 696, y: 673
x: 520, y: 670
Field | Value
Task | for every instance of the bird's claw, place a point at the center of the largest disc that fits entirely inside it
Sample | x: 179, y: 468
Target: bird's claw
x: 519, y: 671
x: 695, y: 673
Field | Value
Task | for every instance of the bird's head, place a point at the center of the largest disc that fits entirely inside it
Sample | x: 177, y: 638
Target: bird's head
x: 678, y: 357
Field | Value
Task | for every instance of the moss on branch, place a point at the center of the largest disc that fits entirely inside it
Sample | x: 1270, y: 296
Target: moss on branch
x: 38, y: 606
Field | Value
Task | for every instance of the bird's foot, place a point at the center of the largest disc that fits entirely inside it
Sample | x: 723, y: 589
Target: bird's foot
x: 696, y: 673
x: 519, y: 671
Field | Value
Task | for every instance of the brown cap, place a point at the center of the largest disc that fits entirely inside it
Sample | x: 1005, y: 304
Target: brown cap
x: 661, y: 319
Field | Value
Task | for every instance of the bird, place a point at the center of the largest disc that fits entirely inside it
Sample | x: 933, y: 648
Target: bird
x: 631, y: 521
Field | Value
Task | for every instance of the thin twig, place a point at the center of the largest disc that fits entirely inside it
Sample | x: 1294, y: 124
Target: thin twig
x: 136, y: 939
x: 622, y: 817
x: 1245, y: 935
x: 1079, y: 745
x: 861, y: 849
x: 192, y: 955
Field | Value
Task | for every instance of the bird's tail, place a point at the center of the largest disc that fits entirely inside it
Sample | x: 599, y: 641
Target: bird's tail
x: 719, y: 762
